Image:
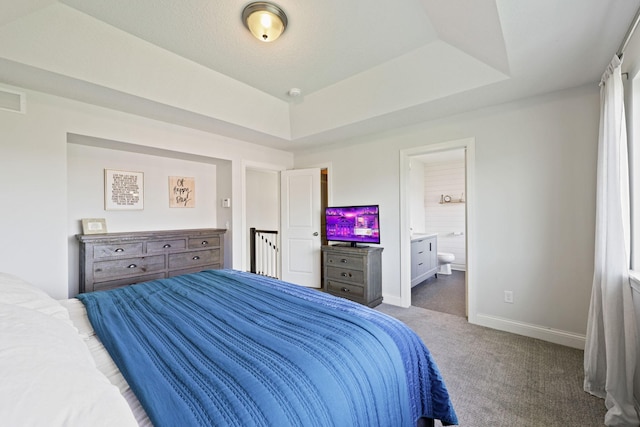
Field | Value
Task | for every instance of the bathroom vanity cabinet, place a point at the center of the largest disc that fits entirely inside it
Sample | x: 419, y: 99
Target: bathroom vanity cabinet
x: 424, y: 257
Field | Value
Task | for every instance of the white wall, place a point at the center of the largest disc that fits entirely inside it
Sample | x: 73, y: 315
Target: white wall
x: 534, y: 209
x: 263, y: 201
x: 33, y: 167
x: 446, y: 219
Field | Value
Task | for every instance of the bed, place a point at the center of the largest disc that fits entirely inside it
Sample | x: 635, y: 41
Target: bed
x: 219, y: 347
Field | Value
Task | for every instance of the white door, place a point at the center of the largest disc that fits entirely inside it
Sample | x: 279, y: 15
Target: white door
x: 300, y: 226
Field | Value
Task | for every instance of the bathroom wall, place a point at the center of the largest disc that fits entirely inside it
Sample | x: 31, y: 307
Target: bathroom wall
x: 416, y: 196
x: 445, y: 175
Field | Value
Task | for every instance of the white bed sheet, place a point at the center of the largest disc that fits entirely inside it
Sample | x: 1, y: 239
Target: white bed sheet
x: 47, y: 374
x: 104, y: 363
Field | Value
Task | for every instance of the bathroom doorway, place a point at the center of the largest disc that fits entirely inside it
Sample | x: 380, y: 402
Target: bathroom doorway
x: 437, y: 195
x: 437, y: 199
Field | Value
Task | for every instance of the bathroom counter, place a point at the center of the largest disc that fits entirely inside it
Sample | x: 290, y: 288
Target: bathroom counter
x: 418, y: 236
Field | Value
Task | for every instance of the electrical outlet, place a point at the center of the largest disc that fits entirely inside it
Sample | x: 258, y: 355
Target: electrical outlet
x: 508, y: 296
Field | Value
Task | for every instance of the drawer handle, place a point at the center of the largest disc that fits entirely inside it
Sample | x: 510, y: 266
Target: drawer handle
x: 344, y: 261
x: 204, y: 243
x: 195, y: 258
x: 421, y: 252
x: 345, y: 290
x: 421, y: 263
x: 119, y: 250
x: 345, y: 274
x: 167, y: 246
x: 132, y: 266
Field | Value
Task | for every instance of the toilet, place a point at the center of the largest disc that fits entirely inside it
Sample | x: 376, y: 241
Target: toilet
x: 444, y: 262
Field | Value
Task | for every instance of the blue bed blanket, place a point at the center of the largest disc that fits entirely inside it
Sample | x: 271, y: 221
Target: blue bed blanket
x: 227, y: 348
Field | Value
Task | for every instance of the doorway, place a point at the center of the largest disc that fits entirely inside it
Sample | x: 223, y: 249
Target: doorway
x: 262, y: 191
x: 406, y: 158
x: 437, y: 200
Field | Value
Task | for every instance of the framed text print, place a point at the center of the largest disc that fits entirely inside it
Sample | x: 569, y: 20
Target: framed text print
x: 123, y: 190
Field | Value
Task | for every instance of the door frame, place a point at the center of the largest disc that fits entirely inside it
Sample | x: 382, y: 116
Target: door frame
x: 270, y: 167
x: 244, y: 233
x: 405, y: 218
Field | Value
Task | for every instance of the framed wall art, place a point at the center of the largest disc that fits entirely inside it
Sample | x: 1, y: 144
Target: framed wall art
x: 182, y: 192
x: 123, y: 190
x: 94, y: 226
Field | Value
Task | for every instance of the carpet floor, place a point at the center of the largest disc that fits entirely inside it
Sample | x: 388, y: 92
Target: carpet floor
x: 500, y: 379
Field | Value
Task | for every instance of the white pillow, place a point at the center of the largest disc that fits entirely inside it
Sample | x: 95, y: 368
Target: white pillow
x: 16, y: 291
x: 48, y: 378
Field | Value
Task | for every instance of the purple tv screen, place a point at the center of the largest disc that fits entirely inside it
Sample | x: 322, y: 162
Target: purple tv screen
x: 359, y: 224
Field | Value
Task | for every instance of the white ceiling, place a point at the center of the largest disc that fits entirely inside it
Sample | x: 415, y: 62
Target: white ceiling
x: 363, y: 66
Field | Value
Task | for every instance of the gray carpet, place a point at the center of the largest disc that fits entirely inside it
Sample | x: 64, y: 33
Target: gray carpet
x: 445, y: 294
x: 500, y: 379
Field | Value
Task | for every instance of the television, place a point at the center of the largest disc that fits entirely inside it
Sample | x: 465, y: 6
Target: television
x: 353, y: 224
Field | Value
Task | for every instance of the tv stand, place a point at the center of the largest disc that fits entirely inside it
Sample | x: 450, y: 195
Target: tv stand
x: 350, y: 245
x: 353, y: 272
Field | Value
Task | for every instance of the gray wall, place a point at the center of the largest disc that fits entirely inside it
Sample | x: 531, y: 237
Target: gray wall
x: 534, y: 206
x: 85, y: 194
x: 37, y: 223
x: 534, y: 179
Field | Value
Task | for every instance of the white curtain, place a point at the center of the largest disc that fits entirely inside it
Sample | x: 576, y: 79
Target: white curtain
x: 610, y: 351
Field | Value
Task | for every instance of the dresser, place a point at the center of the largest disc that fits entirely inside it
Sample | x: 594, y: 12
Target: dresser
x: 353, y: 273
x: 424, y: 257
x: 113, y: 260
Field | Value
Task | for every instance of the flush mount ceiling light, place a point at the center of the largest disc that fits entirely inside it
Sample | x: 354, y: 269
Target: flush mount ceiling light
x: 266, y: 21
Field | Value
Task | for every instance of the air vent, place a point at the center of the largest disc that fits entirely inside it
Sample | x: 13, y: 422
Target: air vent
x: 12, y: 101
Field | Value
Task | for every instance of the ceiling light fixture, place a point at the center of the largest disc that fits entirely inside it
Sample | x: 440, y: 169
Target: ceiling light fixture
x: 266, y: 21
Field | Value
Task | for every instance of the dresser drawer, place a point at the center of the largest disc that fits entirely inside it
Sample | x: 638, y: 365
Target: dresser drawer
x: 344, y: 289
x: 114, y: 269
x: 194, y: 258
x: 166, y: 245
x: 204, y: 241
x: 354, y: 273
x: 117, y: 249
x: 345, y: 275
x: 419, y: 246
x: 112, y: 260
x: 346, y: 261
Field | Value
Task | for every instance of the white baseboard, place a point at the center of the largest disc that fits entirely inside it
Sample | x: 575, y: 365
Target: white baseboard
x: 569, y: 339
x: 397, y: 301
x: 556, y: 336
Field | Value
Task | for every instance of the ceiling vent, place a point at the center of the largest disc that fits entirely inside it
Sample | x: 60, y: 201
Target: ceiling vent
x: 12, y: 101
